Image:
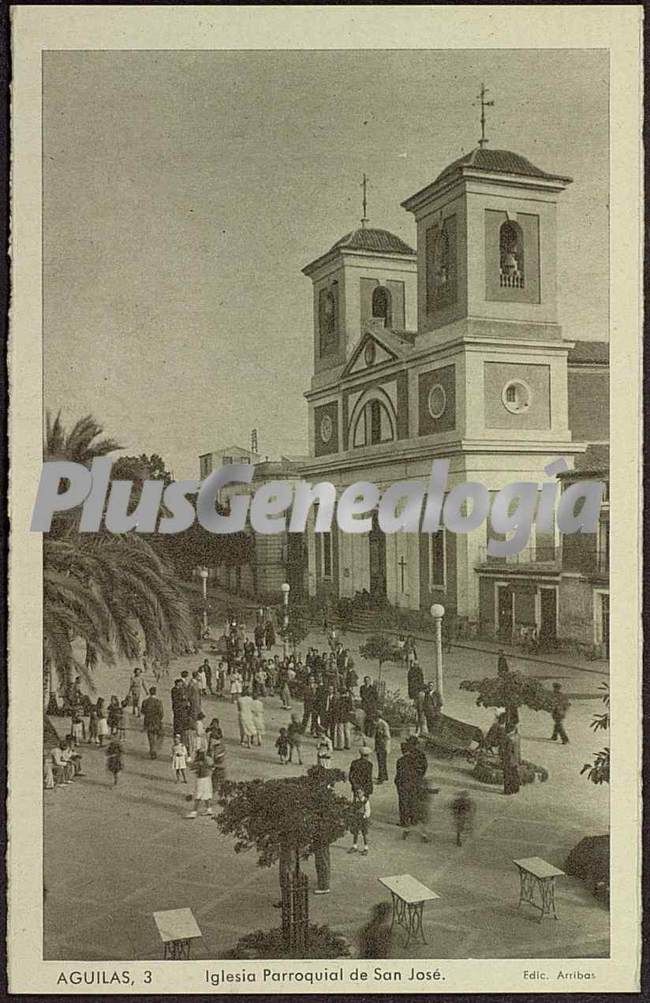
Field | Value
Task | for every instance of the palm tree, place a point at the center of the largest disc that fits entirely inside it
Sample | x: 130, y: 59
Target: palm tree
x: 78, y: 445
x: 111, y: 596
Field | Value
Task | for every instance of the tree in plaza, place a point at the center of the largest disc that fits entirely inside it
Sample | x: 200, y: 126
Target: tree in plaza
x: 299, y: 624
x: 141, y: 468
x: 511, y: 690
x: 598, y: 770
x: 101, y: 591
x: 312, y: 815
x: 82, y: 444
x: 108, y: 593
x: 380, y: 648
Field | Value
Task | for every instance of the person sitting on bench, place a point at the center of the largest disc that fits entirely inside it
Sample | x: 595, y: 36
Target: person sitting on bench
x: 62, y: 768
x: 73, y: 757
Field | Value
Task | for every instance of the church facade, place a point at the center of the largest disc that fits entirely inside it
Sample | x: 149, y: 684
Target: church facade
x: 452, y: 350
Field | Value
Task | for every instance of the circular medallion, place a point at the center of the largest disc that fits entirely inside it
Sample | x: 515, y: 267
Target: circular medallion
x: 437, y: 401
x: 326, y: 428
x: 370, y: 353
x: 516, y: 396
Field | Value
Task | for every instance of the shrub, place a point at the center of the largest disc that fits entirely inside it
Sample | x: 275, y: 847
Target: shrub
x: 397, y: 712
x: 380, y: 649
x: 321, y: 943
x: 598, y: 770
x: 488, y: 770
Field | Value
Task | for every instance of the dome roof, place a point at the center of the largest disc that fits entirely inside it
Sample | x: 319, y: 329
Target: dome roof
x: 497, y: 162
x: 366, y: 239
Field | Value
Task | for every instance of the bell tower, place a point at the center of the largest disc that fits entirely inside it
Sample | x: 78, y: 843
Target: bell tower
x: 487, y: 236
x: 367, y: 275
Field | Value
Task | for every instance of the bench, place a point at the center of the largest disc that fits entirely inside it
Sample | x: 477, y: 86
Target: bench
x: 177, y: 929
x: 537, y: 875
x: 453, y: 737
x: 408, y: 897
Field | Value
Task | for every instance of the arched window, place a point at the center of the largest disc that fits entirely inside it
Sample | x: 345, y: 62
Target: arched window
x: 328, y: 315
x: 381, y: 304
x: 441, y: 264
x: 373, y: 425
x: 511, y: 252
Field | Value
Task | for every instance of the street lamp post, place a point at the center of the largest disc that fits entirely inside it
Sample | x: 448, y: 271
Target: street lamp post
x: 204, y: 578
x: 437, y: 612
x: 286, y: 588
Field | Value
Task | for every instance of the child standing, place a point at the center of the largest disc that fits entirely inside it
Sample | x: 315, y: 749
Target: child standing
x: 294, y: 734
x: 102, y: 723
x: 78, y: 728
x: 324, y: 751
x: 114, y: 762
x: 361, y: 803
x: 236, y: 685
x: 115, y: 717
x: 93, y: 734
x: 203, y: 785
x: 462, y: 810
x: 179, y: 759
x: 282, y: 745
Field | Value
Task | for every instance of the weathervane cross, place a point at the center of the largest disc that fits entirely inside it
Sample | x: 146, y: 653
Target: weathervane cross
x: 484, y: 104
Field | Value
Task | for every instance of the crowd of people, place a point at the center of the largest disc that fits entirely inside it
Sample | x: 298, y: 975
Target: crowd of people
x: 324, y: 700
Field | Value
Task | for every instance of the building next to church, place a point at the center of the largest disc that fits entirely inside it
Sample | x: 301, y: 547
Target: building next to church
x: 274, y: 558
x: 452, y: 350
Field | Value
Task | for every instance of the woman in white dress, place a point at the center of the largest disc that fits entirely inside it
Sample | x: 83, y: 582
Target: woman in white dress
x: 247, y: 728
x: 201, y: 736
x: 258, y: 719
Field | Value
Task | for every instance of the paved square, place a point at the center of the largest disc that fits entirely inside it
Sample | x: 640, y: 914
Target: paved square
x: 114, y: 856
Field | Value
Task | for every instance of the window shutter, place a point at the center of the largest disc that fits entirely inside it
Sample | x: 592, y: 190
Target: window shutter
x: 367, y: 288
x: 322, y: 297
x: 430, y: 246
x: 396, y: 290
x: 450, y: 227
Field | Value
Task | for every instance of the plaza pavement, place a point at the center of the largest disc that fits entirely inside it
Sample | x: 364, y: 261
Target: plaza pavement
x: 114, y: 856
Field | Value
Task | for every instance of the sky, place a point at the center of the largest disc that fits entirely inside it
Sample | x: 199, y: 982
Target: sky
x: 184, y: 192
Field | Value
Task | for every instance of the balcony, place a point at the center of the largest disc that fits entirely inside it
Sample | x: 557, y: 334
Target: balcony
x: 548, y: 557
x: 512, y: 281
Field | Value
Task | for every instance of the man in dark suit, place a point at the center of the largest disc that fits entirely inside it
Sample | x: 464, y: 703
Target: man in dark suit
x: 310, y: 711
x: 415, y: 680
x: 370, y: 704
x: 152, y: 713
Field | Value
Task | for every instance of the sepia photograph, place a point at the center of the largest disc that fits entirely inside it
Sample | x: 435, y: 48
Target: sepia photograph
x: 336, y: 267
x: 324, y: 516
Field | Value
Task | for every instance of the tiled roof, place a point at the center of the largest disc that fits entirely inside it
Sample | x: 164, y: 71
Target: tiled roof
x: 381, y: 241
x: 589, y: 351
x: 497, y: 162
x: 594, y: 460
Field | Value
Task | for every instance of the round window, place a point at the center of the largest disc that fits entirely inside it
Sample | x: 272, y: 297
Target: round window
x: 370, y: 352
x: 516, y: 396
x: 326, y: 428
x: 437, y: 401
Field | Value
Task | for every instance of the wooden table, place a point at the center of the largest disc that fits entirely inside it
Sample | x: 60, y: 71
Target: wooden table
x: 537, y: 874
x: 177, y: 929
x: 408, y: 895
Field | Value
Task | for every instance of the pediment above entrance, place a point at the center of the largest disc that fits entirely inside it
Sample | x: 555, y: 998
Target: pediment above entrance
x: 374, y: 348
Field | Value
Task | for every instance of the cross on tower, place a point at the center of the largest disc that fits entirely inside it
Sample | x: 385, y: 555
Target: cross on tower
x: 364, y: 185
x: 484, y: 104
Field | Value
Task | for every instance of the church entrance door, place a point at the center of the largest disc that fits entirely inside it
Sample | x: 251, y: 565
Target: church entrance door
x: 377, y: 546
